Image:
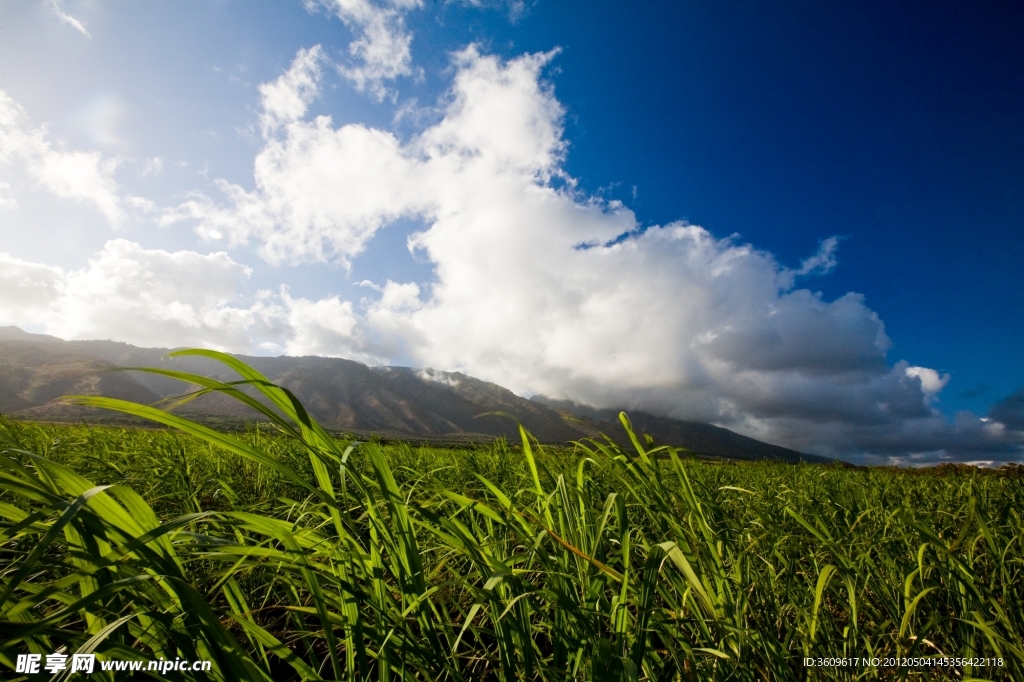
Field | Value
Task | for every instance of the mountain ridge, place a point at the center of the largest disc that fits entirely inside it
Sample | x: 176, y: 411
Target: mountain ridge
x: 343, y: 395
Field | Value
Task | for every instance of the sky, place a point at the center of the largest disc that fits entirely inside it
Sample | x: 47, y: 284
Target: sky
x: 800, y: 222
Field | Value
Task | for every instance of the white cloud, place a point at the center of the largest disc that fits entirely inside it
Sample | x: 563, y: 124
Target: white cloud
x: 931, y: 382
x: 320, y: 327
x: 27, y: 289
x: 822, y: 262
x: 6, y: 199
x: 82, y: 176
x: 541, y: 288
x: 151, y: 297
x: 58, y: 9
x: 287, y: 98
x: 322, y: 192
x: 157, y: 298
x: 153, y: 166
x: 381, y: 50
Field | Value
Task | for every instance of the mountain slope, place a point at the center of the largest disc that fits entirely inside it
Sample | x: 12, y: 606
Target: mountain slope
x: 399, y: 402
x: 34, y: 375
x: 341, y: 394
x: 701, y: 439
x: 705, y: 439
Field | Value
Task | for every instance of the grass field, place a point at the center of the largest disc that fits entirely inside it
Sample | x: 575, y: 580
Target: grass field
x: 286, y: 553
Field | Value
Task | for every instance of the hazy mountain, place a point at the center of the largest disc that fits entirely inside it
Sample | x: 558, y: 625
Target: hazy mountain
x: 17, y: 334
x: 705, y: 440
x: 341, y: 394
x: 401, y: 402
x: 35, y: 374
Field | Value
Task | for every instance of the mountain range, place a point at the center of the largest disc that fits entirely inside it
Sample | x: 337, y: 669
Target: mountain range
x: 37, y: 370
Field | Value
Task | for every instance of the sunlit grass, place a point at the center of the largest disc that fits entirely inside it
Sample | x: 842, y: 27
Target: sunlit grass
x: 290, y: 554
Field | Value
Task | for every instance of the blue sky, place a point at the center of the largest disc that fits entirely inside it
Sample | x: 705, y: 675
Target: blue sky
x: 853, y: 287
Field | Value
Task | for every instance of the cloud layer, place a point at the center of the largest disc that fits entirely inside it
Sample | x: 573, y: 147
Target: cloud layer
x: 157, y: 298
x: 545, y: 290
x: 29, y: 159
x: 536, y: 285
x: 381, y: 50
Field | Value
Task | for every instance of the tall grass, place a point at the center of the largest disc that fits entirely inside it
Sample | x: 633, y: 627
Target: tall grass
x: 300, y: 556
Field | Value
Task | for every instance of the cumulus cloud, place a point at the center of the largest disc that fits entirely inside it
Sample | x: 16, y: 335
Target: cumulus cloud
x: 931, y: 382
x: 82, y: 176
x: 321, y: 327
x: 27, y: 289
x: 925, y: 440
x: 381, y: 50
x: 152, y: 297
x: 287, y: 98
x: 322, y: 192
x: 1009, y: 411
x: 546, y: 290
